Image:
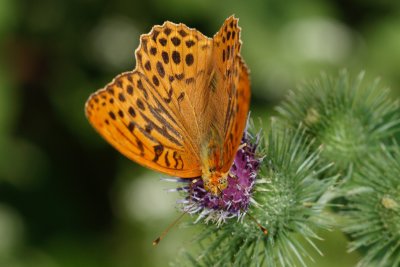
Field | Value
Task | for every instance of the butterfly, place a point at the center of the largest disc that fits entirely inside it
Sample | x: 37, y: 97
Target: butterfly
x: 182, y: 111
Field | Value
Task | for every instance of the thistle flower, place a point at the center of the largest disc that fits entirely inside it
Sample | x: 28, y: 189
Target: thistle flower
x: 286, y: 198
x: 234, y: 200
x: 374, y: 209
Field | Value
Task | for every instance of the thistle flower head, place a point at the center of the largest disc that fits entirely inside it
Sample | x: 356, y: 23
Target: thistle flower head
x: 234, y: 200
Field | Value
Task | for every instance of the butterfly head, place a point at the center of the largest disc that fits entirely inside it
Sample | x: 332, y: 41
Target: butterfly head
x: 215, y: 181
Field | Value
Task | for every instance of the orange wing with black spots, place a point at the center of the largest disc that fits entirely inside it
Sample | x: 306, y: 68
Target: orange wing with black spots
x: 184, y: 107
x: 233, y: 91
x: 177, y: 61
x: 152, y: 115
x: 130, y: 114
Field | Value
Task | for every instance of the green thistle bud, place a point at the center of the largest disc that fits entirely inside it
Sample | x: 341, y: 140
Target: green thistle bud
x: 374, y: 210
x: 349, y: 119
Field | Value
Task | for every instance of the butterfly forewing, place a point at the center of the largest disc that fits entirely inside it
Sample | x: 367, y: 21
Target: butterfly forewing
x: 238, y: 114
x: 233, y: 90
x: 177, y: 60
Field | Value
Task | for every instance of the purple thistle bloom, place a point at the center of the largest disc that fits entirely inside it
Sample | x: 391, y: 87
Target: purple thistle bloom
x: 234, y: 200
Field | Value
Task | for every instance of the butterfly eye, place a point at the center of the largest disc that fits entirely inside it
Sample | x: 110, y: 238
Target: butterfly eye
x: 223, y: 182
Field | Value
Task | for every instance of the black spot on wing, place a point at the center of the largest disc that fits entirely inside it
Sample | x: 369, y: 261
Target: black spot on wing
x: 189, y: 59
x: 178, y: 160
x: 165, y: 57
x: 163, y: 41
x: 160, y: 69
x: 176, y: 41
x: 190, y: 43
x: 158, y: 150
x: 176, y: 57
x: 166, y: 159
x: 167, y: 31
x: 112, y: 115
x: 181, y: 96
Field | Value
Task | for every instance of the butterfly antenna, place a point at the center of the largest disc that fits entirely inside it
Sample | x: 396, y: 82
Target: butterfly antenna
x: 163, y: 234
x: 262, y: 228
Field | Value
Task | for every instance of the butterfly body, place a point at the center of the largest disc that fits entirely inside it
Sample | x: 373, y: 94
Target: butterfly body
x: 183, y: 110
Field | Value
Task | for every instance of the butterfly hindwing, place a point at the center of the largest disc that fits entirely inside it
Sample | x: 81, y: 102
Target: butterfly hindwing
x: 130, y: 115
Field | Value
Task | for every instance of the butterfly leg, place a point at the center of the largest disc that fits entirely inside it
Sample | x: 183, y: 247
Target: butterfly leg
x: 195, y: 180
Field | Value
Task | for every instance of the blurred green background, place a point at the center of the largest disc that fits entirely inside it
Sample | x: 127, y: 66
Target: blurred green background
x: 67, y: 198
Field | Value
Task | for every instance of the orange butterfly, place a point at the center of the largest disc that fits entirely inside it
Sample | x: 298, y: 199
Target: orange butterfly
x: 182, y: 110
